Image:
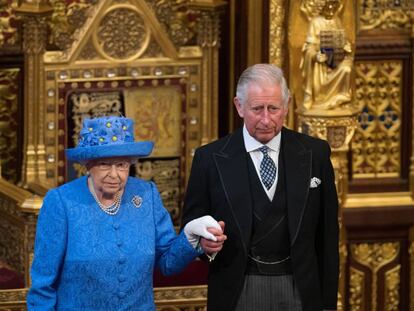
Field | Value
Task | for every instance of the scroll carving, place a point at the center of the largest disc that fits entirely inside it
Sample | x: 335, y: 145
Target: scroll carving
x: 122, y: 33
x: 385, y: 14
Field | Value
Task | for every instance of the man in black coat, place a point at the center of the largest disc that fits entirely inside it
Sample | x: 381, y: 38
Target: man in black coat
x: 274, y: 189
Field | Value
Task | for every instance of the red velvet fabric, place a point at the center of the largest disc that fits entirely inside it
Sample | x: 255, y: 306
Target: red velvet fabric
x: 10, y: 279
x: 195, y: 274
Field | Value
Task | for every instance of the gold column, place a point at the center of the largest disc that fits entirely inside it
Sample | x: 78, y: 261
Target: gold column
x: 209, y: 40
x: 412, y: 142
x: 254, y: 31
x: 34, y: 14
x: 411, y: 235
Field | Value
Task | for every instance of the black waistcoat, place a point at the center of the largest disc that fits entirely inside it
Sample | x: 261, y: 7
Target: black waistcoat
x: 270, y: 235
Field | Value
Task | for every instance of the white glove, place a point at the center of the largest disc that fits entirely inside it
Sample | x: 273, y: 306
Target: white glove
x: 198, y: 228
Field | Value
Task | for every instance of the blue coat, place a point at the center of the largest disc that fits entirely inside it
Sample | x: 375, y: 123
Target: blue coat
x: 88, y: 260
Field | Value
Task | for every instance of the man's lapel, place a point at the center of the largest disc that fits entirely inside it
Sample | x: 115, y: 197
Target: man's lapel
x: 298, y: 170
x: 231, y: 165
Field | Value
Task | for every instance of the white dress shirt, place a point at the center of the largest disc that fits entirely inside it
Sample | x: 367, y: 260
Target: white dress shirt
x: 252, y: 146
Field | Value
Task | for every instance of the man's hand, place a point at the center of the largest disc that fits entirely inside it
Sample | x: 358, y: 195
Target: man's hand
x: 212, y: 247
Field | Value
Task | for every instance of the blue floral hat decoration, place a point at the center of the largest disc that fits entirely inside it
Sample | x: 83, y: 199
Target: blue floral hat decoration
x: 107, y: 137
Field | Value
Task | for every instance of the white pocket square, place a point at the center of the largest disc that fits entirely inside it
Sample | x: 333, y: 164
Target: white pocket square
x: 315, y: 182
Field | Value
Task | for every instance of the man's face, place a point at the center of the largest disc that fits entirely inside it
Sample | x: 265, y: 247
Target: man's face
x: 263, y: 111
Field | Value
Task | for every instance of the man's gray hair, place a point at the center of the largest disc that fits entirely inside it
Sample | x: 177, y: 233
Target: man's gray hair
x: 262, y: 74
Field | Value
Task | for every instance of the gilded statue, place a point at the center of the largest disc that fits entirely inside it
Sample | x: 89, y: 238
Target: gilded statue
x: 327, y: 59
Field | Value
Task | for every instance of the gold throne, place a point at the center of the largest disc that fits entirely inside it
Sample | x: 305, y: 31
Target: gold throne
x: 153, y: 61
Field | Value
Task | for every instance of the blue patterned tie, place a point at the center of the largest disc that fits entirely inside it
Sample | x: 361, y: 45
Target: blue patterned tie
x: 267, y: 168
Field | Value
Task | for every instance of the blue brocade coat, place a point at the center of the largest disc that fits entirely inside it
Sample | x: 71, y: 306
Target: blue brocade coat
x: 88, y: 260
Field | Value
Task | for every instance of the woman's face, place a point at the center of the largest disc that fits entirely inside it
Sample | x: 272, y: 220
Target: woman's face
x: 109, y: 175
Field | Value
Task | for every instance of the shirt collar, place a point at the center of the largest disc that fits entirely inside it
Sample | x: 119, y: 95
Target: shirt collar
x: 252, y: 144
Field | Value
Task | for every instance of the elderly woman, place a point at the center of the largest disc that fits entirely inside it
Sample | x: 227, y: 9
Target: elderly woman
x: 100, y: 236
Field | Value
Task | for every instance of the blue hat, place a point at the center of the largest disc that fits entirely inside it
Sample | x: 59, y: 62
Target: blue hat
x: 107, y: 137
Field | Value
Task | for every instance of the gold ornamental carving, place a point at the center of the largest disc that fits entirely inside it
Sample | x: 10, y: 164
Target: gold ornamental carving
x: 153, y: 50
x: 17, y: 226
x: 66, y: 20
x: 356, y: 290
x: 11, y: 237
x: 180, y: 294
x: 385, y: 14
x: 375, y: 256
x: 13, y: 299
x: 9, y: 36
x: 376, y: 148
x: 89, y: 52
x: 277, y: 14
x: 34, y: 35
x: 176, y: 18
x: 166, y: 175
x: 122, y: 33
x: 208, y: 30
x: 392, y: 289
x: 8, y: 123
x: 337, y: 131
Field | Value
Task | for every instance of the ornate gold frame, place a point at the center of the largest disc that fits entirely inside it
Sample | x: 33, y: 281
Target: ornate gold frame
x: 162, y: 57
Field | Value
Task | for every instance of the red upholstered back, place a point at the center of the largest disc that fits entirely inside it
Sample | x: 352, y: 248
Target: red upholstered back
x: 10, y: 279
x: 195, y: 274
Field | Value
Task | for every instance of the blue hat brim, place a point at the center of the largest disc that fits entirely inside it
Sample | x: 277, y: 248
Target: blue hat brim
x: 133, y: 150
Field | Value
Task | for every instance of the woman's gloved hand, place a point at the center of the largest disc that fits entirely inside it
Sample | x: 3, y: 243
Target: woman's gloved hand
x: 198, y: 228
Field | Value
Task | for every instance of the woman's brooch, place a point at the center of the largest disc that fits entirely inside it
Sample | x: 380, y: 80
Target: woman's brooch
x: 137, y: 201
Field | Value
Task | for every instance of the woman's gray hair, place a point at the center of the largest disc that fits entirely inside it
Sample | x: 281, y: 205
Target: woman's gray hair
x: 262, y: 74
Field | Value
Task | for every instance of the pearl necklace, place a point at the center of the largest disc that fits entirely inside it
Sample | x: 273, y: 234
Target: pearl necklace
x: 110, y: 209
